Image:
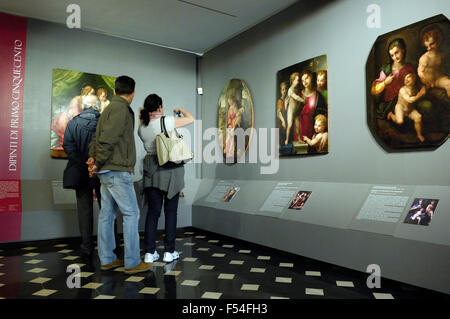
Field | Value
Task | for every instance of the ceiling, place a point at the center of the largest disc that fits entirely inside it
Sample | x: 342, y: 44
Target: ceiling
x: 194, y: 26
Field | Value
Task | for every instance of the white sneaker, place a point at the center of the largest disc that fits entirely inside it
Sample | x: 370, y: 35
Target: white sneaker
x: 169, y: 257
x: 150, y: 258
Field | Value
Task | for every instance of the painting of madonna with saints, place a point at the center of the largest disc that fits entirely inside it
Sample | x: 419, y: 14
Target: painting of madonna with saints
x: 302, y: 107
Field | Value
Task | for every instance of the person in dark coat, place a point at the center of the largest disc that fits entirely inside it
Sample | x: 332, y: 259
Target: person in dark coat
x: 77, y: 137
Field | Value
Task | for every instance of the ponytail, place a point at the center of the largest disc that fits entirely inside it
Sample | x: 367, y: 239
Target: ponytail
x: 144, y: 116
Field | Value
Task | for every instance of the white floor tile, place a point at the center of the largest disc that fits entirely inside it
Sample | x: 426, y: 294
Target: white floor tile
x: 44, y: 292
x: 226, y: 276
x: 149, y: 290
x: 192, y: 283
x: 92, y: 285
x: 313, y: 273
x: 211, y: 295
x: 250, y: 287
x: 105, y: 297
x: 382, y: 296
x: 206, y: 267
x: 135, y: 279
x: 286, y: 280
x: 40, y: 280
x: 313, y: 291
x: 260, y: 270
x: 345, y: 284
x: 263, y: 258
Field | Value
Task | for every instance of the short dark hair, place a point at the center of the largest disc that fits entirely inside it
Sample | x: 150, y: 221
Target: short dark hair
x: 124, y: 85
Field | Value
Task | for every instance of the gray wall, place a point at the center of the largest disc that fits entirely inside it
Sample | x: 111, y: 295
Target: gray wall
x: 303, y: 31
x: 169, y: 73
x: 306, y: 30
x: 340, y: 180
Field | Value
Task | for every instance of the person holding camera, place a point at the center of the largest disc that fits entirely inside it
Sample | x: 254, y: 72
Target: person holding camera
x: 162, y: 184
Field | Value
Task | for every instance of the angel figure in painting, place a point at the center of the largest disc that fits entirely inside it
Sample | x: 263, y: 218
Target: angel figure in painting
x: 430, y: 68
x: 234, y: 119
x: 407, y: 96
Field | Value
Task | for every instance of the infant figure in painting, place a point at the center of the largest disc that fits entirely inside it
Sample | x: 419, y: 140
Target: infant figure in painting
x: 417, y: 216
x: 407, y: 96
x: 430, y: 68
x: 102, y: 95
x: 319, y: 140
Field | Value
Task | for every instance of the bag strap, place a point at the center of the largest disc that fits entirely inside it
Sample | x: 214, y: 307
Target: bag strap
x: 163, y: 127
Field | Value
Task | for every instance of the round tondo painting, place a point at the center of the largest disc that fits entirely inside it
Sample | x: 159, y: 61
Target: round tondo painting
x: 235, y: 117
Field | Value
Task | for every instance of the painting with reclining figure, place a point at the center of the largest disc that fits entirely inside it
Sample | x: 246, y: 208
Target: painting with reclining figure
x: 70, y: 89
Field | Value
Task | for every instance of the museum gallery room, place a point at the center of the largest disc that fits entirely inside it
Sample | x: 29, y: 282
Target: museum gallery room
x: 226, y: 149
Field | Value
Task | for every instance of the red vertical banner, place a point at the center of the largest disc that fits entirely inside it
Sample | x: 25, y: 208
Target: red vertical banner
x: 13, y: 33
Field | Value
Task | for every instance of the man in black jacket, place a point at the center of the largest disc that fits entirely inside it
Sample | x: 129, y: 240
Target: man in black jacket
x: 78, y: 135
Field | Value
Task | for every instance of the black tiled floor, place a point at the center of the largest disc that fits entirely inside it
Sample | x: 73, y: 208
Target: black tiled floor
x: 15, y: 276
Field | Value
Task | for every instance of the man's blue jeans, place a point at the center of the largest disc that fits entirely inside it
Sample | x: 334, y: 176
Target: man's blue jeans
x: 117, y: 190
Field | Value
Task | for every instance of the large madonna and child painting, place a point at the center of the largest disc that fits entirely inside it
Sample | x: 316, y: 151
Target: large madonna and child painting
x: 408, y: 86
x: 302, y: 107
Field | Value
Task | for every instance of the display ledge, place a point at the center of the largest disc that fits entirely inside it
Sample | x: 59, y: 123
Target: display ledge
x: 49, y: 211
x: 380, y: 209
x: 49, y: 195
x: 418, y: 263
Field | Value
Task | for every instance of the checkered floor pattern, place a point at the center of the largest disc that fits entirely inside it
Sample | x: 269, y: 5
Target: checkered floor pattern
x: 211, y: 266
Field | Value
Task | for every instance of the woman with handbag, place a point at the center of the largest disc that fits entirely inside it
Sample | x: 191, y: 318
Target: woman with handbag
x: 162, y: 184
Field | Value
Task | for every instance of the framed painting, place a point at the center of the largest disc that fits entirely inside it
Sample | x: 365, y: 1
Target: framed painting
x: 408, y: 87
x: 69, y: 90
x: 235, y: 116
x: 302, y: 107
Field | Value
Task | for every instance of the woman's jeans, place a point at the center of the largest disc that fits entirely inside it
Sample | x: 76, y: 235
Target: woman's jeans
x: 118, y: 191
x: 156, y: 198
